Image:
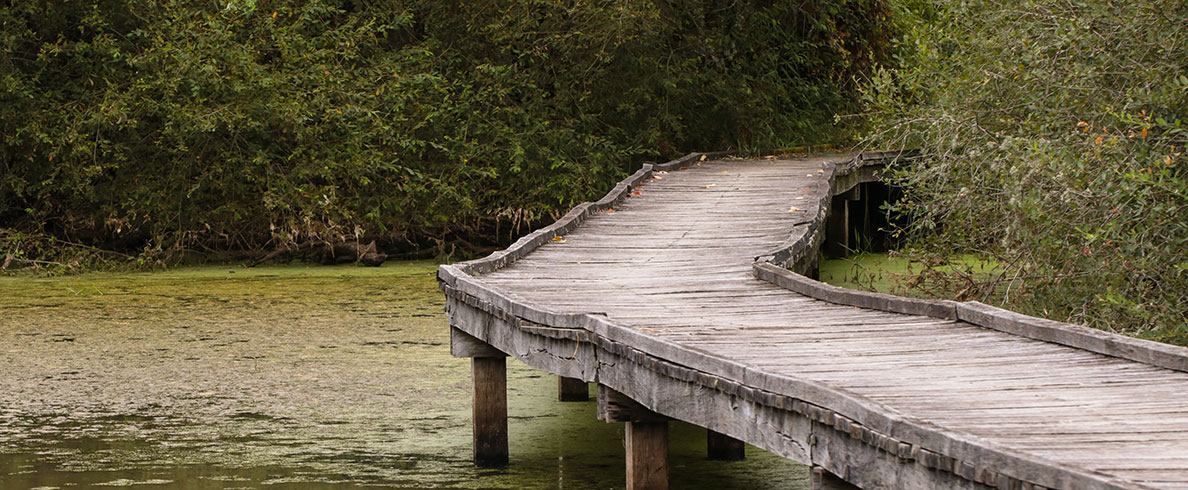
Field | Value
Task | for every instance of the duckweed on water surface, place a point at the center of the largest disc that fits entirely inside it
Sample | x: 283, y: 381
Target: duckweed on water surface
x: 303, y: 377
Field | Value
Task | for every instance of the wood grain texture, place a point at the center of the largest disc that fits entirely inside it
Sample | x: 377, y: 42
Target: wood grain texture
x: 490, y: 411
x: 674, y: 290
x: 647, y: 455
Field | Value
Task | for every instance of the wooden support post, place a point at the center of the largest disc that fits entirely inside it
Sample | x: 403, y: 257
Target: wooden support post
x: 647, y: 455
x: 824, y: 480
x: 837, y: 228
x: 489, y: 370
x: 858, y: 230
x: 867, y: 211
x: 721, y: 447
x: 877, y: 194
x: 490, y: 411
x: 572, y: 390
x: 870, y: 218
x: 646, y: 439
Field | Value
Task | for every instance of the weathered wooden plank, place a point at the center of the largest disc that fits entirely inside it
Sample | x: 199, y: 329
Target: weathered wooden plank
x: 566, y: 357
x: 863, y: 299
x: 614, y: 406
x: 1144, y: 351
x: 463, y: 344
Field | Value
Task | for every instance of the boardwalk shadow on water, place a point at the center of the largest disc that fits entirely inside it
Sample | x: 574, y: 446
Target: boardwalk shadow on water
x: 284, y: 377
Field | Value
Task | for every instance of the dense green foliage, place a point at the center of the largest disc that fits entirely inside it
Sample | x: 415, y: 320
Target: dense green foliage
x: 1056, y: 139
x: 158, y: 127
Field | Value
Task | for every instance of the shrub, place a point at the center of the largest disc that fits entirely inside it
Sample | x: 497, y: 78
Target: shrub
x: 165, y: 127
x: 1056, y: 143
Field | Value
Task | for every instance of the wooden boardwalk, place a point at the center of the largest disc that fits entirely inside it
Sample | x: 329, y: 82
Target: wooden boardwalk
x: 674, y: 292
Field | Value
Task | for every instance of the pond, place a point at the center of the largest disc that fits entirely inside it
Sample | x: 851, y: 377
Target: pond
x: 882, y: 272
x: 293, y: 377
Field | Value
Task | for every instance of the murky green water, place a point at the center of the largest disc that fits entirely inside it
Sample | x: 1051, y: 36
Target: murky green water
x: 900, y: 274
x: 285, y: 377
x: 868, y: 271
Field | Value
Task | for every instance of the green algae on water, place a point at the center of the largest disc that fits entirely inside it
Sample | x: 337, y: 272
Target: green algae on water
x: 899, y: 274
x: 304, y: 377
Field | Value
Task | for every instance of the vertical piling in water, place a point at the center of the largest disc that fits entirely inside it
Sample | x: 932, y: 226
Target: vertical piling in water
x: 490, y: 411
x: 489, y: 372
x: 721, y: 447
x: 837, y: 228
x: 860, y: 211
x: 646, y: 439
x: 647, y: 455
x: 572, y: 389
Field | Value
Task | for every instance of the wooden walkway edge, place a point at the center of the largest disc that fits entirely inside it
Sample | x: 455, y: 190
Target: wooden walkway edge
x: 677, y: 343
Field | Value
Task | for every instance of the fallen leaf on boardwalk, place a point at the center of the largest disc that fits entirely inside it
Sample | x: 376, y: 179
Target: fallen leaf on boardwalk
x: 799, y: 198
x: 559, y: 239
x: 820, y: 170
x: 702, y: 158
x: 708, y: 186
x: 808, y: 175
x: 611, y: 210
x: 661, y: 172
x: 793, y: 209
x: 636, y: 193
x: 657, y: 177
x: 724, y: 172
x: 684, y: 168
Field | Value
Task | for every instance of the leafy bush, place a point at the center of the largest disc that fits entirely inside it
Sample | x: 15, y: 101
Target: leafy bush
x: 162, y: 127
x: 1056, y: 137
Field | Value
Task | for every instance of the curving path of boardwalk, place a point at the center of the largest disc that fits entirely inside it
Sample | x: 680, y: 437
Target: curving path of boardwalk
x: 674, y: 291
